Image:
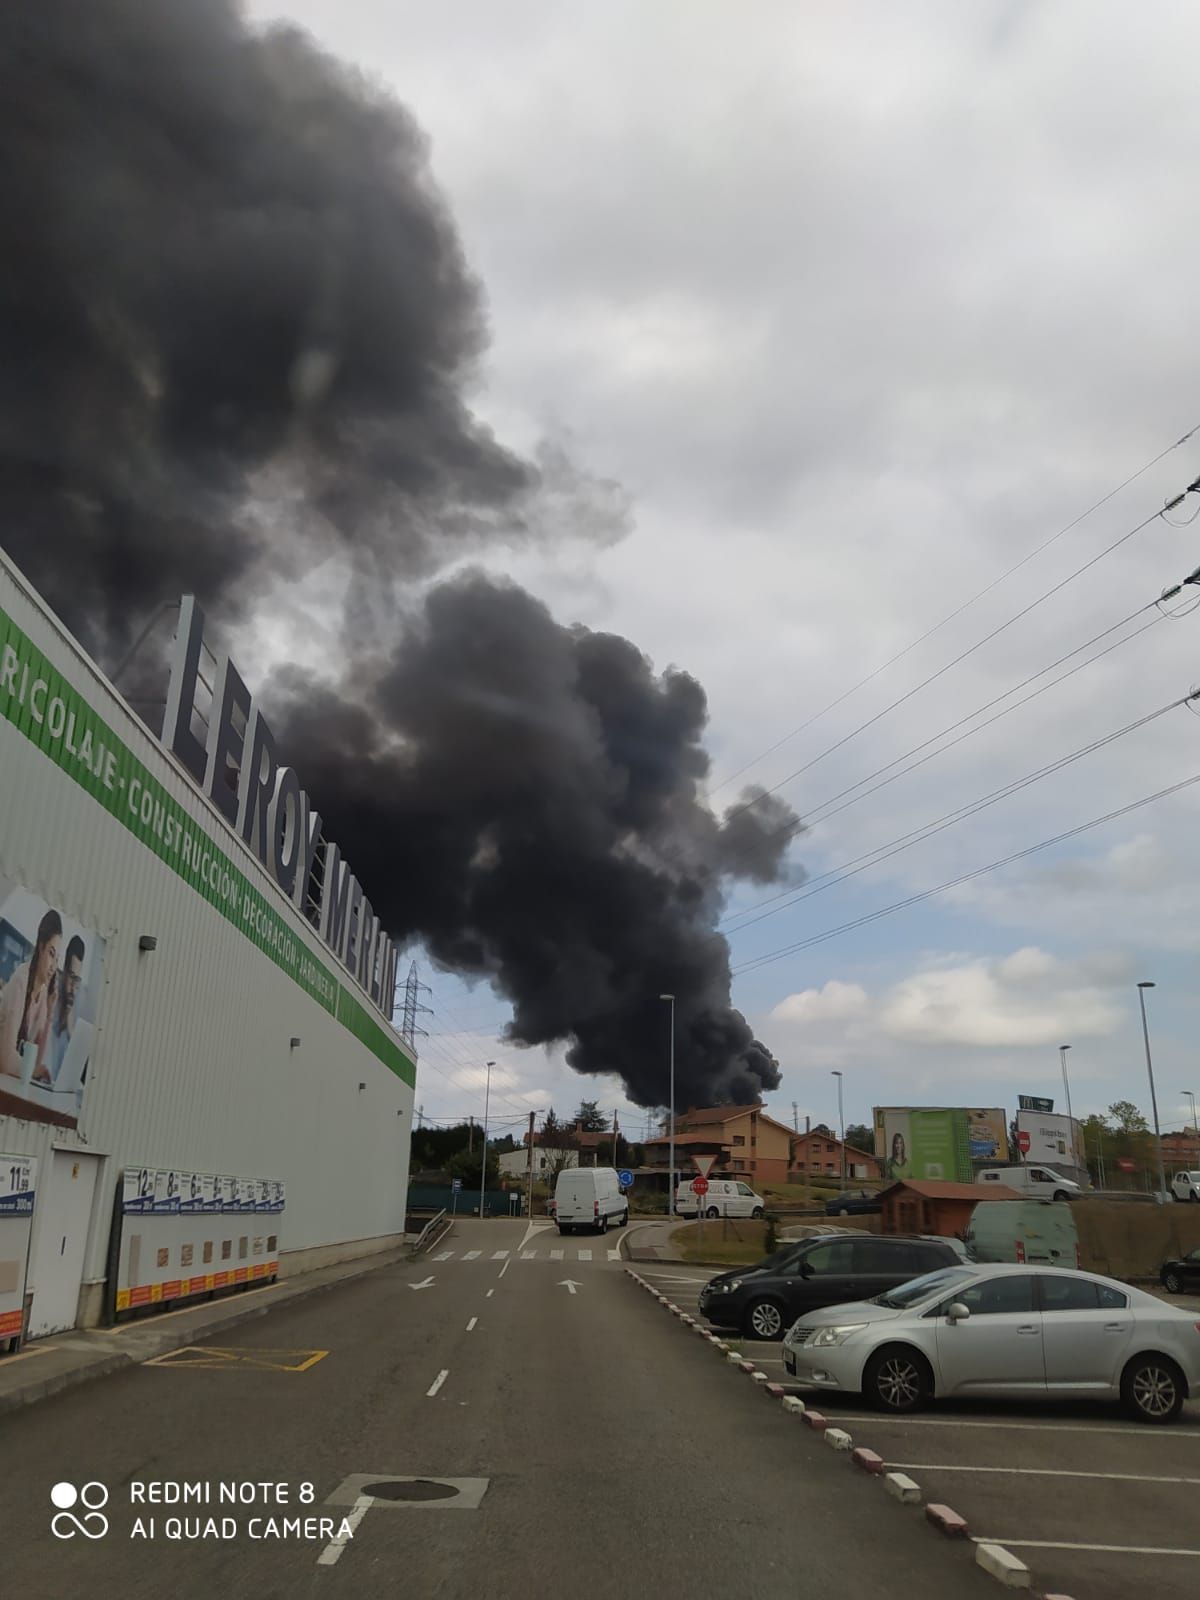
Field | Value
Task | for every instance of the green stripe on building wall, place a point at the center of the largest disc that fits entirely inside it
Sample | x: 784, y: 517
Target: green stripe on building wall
x: 77, y: 740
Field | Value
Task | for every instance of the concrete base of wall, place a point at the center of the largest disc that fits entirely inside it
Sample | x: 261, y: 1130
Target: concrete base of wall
x: 292, y: 1264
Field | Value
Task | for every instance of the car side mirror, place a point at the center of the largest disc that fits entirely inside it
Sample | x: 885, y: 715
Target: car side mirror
x: 957, y: 1312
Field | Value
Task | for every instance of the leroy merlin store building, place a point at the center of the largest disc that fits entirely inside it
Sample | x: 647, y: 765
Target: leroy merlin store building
x: 200, y: 1088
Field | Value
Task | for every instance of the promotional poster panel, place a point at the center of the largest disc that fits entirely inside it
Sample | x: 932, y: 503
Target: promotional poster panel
x: 18, y: 1180
x: 51, y: 976
x: 987, y: 1132
x: 1052, y: 1138
x: 191, y: 1233
x: 924, y: 1142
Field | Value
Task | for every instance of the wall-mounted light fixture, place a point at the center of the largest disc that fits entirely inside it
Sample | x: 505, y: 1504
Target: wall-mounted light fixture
x: 294, y: 1043
x: 147, y: 942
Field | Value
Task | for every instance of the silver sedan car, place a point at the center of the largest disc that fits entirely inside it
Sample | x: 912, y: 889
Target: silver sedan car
x: 1019, y: 1331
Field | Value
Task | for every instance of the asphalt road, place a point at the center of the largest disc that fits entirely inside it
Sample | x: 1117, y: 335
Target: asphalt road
x: 617, y: 1456
x: 1096, y: 1505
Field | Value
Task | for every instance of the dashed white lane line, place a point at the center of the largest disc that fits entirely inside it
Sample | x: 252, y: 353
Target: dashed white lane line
x: 556, y: 1255
x: 584, y: 1255
x: 499, y: 1255
x: 489, y: 1294
x: 332, y: 1552
x: 437, y: 1383
x: 472, y: 1255
x: 471, y: 1324
x: 504, y: 1269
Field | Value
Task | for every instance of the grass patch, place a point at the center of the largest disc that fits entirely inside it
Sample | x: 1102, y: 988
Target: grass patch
x: 734, y: 1243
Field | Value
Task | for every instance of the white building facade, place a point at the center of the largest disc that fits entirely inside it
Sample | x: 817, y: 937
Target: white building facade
x: 165, y: 1005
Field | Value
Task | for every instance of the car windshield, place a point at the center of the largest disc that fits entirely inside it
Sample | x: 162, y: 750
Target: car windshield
x: 917, y: 1289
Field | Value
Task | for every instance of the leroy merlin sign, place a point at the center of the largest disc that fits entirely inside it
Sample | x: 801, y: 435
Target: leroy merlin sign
x: 51, y: 714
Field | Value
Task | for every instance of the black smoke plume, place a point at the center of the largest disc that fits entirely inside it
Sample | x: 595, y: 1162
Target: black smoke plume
x: 239, y: 340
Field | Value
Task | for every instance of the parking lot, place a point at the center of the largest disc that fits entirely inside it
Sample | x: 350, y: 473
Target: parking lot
x: 1097, y: 1507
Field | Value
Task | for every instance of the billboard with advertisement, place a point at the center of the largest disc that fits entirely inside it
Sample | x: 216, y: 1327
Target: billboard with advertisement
x: 51, y: 976
x: 939, y: 1143
x: 18, y: 1182
x: 1051, y: 1138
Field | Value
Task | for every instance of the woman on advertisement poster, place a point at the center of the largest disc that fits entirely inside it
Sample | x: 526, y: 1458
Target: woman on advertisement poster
x: 27, y: 1005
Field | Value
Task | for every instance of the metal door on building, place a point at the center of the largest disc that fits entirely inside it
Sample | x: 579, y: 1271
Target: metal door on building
x: 64, y: 1214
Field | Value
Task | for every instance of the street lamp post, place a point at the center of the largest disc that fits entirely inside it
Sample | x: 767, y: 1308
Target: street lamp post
x: 486, y: 1106
x: 1162, y: 1176
x: 1062, y: 1057
x: 841, y: 1123
x: 671, y: 1179
x: 1191, y: 1096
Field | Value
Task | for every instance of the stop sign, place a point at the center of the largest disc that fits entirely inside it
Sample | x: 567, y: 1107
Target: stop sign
x: 1023, y: 1143
x: 699, y: 1185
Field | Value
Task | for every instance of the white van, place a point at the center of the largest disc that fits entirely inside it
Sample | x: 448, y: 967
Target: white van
x: 1040, y: 1183
x: 589, y: 1197
x: 726, y: 1197
x: 1022, y: 1231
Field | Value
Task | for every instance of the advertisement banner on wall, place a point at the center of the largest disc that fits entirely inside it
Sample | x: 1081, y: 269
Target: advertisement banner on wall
x: 930, y: 1142
x: 987, y: 1133
x: 1052, y: 1138
x: 18, y: 1181
x: 51, y: 977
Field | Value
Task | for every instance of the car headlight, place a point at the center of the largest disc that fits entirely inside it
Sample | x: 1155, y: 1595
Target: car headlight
x: 824, y: 1337
x: 724, y: 1288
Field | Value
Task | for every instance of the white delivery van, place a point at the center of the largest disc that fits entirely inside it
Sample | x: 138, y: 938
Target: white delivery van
x: 1040, y: 1183
x: 1186, y: 1186
x: 726, y: 1197
x: 1022, y: 1231
x: 589, y: 1197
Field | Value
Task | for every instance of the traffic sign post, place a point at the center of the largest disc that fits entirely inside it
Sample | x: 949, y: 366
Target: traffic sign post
x: 455, y: 1186
x: 704, y: 1164
x: 625, y: 1178
x: 700, y: 1189
x: 1023, y: 1142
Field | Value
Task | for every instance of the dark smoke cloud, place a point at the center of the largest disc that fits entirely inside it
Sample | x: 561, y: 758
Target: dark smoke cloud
x: 525, y: 799
x: 239, y: 333
x: 231, y: 296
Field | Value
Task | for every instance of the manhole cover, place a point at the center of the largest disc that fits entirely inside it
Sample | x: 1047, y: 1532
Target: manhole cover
x: 412, y: 1489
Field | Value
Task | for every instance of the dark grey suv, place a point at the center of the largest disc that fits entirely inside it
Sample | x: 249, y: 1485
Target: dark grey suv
x: 764, y: 1300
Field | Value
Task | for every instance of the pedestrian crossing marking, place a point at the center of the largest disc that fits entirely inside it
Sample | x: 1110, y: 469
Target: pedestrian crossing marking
x: 499, y: 1255
x: 444, y: 1255
x: 582, y: 1254
x: 556, y: 1255
x: 472, y: 1255
x: 528, y: 1255
x: 585, y: 1255
x: 614, y: 1255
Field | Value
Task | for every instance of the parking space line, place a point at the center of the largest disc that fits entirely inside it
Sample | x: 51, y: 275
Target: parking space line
x: 1105, y: 1549
x: 437, y: 1383
x: 471, y: 1324
x: 1037, y: 1472
x: 1131, y: 1430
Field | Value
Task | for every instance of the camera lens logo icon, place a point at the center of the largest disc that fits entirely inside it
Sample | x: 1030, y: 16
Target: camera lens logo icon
x: 92, y: 1524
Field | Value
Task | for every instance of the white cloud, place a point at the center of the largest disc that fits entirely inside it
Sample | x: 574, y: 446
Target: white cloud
x: 836, y: 1002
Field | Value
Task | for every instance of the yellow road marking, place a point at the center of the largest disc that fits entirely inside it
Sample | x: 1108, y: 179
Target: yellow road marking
x: 214, y: 1357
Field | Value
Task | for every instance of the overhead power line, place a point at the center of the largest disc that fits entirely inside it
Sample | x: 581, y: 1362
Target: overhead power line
x: 884, y: 852
x: 958, y: 610
x: 952, y: 883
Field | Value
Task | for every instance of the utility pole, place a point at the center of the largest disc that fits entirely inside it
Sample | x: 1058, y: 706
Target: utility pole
x: 420, y: 1117
x: 842, y: 1121
x: 470, y: 1134
x: 671, y: 1178
x: 532, y: 1114
x: 1162, y: 1176
x: 487, y: 1101
x: 795, y: 1116
x: 616, y: 1135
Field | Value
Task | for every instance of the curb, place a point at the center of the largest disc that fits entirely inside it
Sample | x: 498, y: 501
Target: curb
x: 814, y: 1420
x: 868, y: 1461
x: 165, y: 1340
x: 838, y: 1439
x: 947, y: 1521
x: 1002, y: 1565
x: 903, y: 1488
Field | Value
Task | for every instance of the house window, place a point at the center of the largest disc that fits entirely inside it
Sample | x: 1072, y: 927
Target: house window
x: 739, y: 1138
x: 739, y: 1166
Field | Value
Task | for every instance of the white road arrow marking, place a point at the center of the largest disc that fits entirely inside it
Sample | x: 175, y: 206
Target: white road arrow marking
x: 424, y: 1285
x: 570, y: 1284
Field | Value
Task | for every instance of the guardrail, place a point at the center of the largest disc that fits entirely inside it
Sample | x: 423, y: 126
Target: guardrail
x: 429, y: 1235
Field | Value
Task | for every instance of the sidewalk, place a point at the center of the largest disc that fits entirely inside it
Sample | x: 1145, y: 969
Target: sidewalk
x: 48, y: 1366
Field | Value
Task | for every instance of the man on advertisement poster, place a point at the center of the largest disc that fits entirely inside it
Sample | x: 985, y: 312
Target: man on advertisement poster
x: 51, y: 973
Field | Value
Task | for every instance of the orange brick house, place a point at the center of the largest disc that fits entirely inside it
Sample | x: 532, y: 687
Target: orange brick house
x: 747, y: 1141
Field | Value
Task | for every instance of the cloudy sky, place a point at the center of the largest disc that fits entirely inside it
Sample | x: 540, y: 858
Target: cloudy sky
x: 862, y: 305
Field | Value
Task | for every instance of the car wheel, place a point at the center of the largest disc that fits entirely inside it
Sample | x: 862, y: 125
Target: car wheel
x: 1152, y: 1389
x: 624, y: 1219
x: 712, y: 1212
x: 898, y: 1380
x: 1173, y: 1283
x: 763, y: 1320
x: 757, y: 1213
x: 602, y: 1225
x: 1061, y: 1194
x: 1194, y: 1196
